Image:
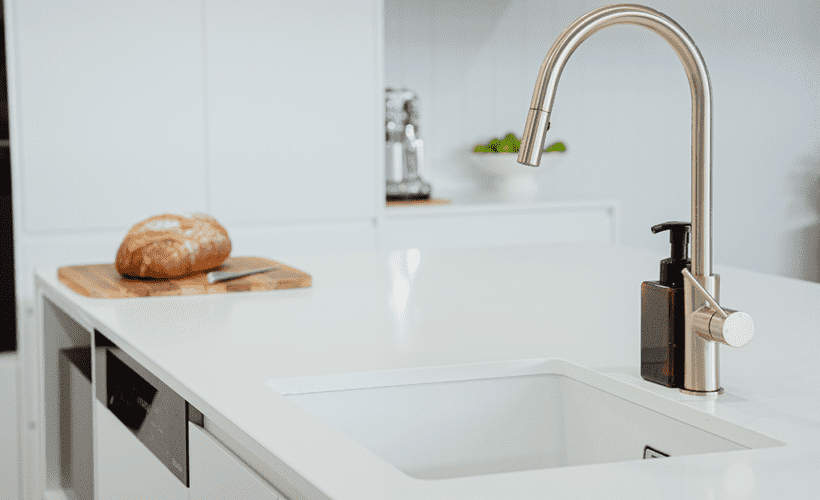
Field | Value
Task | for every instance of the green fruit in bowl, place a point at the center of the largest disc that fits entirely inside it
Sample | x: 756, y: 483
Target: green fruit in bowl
x: 511, y: 144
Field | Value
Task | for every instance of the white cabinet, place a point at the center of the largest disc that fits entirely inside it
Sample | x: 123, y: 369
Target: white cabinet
x: 218, y: 474
x: 304, y: 239
x: 109, y: 104
x: 9, y: 455
x: 498, y: 224
x: 125, y: 468
x: 294, y: 100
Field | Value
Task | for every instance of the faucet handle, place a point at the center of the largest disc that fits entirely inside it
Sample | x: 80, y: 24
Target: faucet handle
x: 727, y: 326
x: 706, y: 295
x: 736, y: 329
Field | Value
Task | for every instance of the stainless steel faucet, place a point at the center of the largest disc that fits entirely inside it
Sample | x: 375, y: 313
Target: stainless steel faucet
x: 707, y: 323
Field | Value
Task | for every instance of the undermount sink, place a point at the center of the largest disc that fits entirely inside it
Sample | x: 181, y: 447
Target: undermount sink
x: 440, y: 423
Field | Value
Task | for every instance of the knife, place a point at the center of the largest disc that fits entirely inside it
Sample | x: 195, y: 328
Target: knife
x: 217, y: 276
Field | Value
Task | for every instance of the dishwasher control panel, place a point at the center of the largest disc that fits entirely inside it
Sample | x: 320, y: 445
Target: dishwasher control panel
x: 154, y: 413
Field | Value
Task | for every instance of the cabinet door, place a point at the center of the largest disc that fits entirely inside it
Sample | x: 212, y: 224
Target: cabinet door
x: 111, y: 111
x: 485, y: 226
x: 125, y: 468
x: 218, y: 474
x: 294, y: 109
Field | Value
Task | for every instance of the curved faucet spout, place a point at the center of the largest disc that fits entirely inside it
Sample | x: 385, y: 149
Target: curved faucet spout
x: 532, y: 143
x: 700, y: 370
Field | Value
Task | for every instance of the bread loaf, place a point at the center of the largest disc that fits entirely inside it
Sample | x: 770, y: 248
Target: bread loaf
x: 173, y: 245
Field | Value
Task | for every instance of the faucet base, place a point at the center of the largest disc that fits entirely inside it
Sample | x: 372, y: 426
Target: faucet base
x: 703, y: 393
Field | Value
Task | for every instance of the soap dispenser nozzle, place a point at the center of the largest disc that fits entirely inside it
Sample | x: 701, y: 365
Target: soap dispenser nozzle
x: 672, y: 267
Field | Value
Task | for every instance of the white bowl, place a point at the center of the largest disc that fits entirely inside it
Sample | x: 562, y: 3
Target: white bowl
x: 513, y: 181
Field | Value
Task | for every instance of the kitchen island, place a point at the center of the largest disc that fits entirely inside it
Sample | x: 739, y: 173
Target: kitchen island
x: 388, y: 314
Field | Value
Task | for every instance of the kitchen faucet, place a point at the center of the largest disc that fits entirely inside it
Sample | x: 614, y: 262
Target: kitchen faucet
x: 706, y: 322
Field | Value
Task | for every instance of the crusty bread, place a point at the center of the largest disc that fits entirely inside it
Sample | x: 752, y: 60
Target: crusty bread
x: 173, y: 245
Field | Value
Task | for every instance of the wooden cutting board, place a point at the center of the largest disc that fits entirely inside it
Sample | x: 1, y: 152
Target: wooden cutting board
x: 410, y: 203
x: 102, y: 281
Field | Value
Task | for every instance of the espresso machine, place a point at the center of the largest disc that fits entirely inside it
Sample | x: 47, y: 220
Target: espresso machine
x: 404, y: 148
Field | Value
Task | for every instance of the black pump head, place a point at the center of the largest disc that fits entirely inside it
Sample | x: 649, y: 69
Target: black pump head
x: 678, y: 237
x: 672, y: 267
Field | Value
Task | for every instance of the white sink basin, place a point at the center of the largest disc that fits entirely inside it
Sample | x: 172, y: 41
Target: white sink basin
x: 518, y: 416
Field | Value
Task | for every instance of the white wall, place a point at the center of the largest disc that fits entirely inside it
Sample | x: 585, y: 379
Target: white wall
x: 623, y: 109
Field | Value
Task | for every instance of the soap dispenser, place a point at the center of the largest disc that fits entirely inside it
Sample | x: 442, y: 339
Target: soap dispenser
x: 662, y: 312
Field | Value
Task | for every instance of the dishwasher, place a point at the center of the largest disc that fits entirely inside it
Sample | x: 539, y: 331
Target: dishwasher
x: 142, y: 429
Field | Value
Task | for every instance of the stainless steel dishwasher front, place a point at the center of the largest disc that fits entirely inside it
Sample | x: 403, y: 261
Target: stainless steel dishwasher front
x: 142, y: 430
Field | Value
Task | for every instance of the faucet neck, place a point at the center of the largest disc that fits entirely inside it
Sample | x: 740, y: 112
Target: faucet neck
x: 544, y: 94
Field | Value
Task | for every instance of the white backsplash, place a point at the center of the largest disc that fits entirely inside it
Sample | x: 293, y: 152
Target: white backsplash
x: 624, y: 111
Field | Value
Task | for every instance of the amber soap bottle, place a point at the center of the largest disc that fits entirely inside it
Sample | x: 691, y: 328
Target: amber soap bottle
x: 662, y: 312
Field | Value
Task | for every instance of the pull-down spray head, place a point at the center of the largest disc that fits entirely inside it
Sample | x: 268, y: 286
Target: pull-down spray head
x: 535, y: 135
